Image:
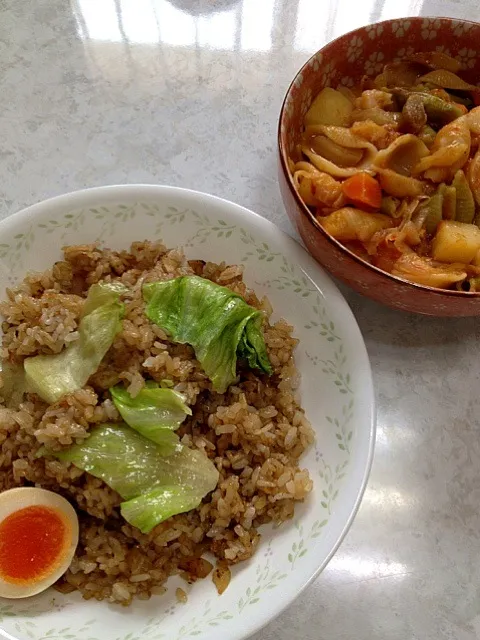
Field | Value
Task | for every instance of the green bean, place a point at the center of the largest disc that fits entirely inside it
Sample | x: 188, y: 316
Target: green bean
x: 432, y: 208
x: 438, y: 111
x: 465, y: 204
x: 449, y: 204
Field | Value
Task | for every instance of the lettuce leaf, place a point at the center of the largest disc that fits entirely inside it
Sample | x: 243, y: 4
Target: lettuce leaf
x: 101, y: 294
x: 149, y: 509
x: 214, y: 320
x: 160, y: 486
x: 53, y: 376
x: 252, y: 347
x: 155, y: 413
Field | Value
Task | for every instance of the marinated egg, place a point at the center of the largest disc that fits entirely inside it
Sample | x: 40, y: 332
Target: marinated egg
x: 38, y: 538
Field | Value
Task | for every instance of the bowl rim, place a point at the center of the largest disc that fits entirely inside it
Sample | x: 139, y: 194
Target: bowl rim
x: 302, y: 207
x: 81, y: 196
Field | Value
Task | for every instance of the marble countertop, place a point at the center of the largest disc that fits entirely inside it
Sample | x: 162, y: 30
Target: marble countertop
x: 187, y: 92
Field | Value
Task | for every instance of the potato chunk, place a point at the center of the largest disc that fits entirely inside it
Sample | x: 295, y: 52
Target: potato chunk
x: 349, y: 223
x: 329, y: 107
x: 456, y: 242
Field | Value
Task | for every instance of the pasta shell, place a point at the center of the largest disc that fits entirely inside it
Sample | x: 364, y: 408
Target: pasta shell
x: 317, y: 188
x: 400, y: 186
x: 450, y: 149
x: 342, y: 156
x: 473, y: 119
x: 402, y: 154
x: 402, y: 74
x: 436, y: 60
x: 343, y: 137
x: 447, y: 80
x: 334, y: 170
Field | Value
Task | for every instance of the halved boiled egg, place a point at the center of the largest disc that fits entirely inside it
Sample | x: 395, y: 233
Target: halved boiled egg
x: 38, y: 538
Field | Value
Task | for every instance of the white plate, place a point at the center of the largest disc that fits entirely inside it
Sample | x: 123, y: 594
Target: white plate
x: 336, y: 392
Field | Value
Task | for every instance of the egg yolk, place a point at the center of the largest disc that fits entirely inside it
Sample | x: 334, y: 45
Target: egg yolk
x: 32, y: 543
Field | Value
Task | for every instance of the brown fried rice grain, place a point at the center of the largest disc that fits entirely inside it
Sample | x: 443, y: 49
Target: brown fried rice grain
x: 255, y: 433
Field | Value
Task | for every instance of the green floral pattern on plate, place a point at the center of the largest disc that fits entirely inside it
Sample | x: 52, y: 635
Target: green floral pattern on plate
x: 324, y: 357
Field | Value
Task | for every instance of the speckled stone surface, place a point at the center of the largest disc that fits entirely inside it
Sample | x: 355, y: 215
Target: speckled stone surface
x: 187, y: 93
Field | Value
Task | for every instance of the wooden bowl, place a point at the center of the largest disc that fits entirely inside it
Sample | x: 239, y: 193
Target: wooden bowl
x: 345, y: 61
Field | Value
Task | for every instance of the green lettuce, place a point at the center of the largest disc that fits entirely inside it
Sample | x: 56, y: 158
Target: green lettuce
x: 155, y: 413
x: 214, y: 320
x: 155, y: 486
x: 252, y: 347
x: 53, y: 376
x: 149, y: 509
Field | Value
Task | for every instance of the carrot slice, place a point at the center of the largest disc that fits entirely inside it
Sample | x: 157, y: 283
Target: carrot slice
x: 363, y: 190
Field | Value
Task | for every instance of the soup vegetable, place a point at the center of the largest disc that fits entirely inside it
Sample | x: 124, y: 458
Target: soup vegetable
x: 391, y: 169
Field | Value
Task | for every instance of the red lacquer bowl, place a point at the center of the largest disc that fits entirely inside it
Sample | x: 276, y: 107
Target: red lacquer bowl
x: 345, y: 61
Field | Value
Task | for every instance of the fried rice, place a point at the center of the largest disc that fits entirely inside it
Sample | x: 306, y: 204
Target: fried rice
x: 255, y: 433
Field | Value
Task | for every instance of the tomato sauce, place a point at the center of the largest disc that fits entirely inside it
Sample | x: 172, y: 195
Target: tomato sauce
x: 32, y: 542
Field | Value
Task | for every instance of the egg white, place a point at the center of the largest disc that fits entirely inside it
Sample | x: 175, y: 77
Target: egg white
x: 15, y: 499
